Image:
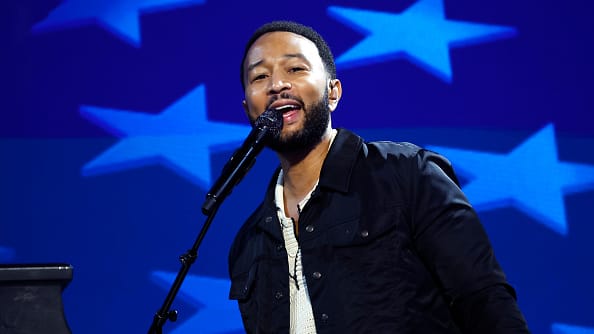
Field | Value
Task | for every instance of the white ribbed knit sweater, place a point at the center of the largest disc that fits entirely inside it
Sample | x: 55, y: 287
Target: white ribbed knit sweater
x: 301, y: 314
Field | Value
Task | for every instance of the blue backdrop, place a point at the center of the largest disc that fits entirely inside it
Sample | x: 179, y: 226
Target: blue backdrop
x: 118, y: 114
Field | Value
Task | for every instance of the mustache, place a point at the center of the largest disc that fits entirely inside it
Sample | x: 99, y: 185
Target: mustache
x: 286, y: 96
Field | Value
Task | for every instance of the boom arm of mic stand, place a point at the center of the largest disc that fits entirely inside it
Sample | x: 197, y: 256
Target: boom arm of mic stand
x: 186, y: 259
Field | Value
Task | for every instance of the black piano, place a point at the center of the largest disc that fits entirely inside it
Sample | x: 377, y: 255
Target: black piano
x: 31, y: 298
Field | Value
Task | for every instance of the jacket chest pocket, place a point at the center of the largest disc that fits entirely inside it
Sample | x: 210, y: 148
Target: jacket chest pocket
x: 370, y: 245
x: 368, y: 228
x: 242, y: 284
x: 260, y: 296
x: 243, y: 291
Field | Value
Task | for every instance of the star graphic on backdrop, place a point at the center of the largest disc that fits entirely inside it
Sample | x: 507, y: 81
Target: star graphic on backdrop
x: 421, y: 33
x: 217, y: 314
x: 530, y: 177
x: 179, y: 137
x: 570, y: 329
x: 120, y: 17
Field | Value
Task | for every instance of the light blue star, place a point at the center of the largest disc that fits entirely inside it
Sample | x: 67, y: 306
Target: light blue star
x: 422, y: 34
x: 120, y: 17
x: 217, y: 314
x: 180, y: 137
x: 569, y: 329
x: 530, y: 177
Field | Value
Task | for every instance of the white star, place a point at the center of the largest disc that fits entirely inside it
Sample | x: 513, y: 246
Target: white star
x: 422, y: 34
x: 530, y: 177
x: 121, y: 17
x: 180, y: 137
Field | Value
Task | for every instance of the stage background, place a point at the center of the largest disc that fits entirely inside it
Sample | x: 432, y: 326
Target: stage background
x: 116, y: 116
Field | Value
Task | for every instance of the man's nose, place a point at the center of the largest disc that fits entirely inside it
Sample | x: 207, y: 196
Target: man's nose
x: 279, y: 84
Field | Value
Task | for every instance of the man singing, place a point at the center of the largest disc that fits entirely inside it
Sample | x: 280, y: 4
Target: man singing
x: 354, y: 236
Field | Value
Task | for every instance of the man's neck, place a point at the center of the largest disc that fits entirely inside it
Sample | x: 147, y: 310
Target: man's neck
x: 302, y: 171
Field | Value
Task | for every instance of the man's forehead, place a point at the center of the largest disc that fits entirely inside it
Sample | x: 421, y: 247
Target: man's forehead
x: 281, y: 43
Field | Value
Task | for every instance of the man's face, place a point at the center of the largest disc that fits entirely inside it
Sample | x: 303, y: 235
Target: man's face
x: 284, y: 71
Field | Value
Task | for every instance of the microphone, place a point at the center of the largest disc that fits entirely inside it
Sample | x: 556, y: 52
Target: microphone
x: 267, y: 126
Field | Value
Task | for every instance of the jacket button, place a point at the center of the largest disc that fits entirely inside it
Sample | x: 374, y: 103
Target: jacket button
x: 278, y: 295
x: 324, y: 317
x: 268, y: 219
x: 279, y: 247
x: 309, y: 228
x: 317, y: 275
x: 364, y: 233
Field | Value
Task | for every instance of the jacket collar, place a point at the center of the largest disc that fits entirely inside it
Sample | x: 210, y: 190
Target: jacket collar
x: 268, y: 219
x: 335, y: 174
x: 339, y: 164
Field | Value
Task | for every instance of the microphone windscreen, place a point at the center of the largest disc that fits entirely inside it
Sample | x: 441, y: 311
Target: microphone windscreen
x: 271, y: 119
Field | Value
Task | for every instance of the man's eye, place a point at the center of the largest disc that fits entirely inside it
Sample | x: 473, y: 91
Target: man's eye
x: 259, y: 77
x: 296, y: 69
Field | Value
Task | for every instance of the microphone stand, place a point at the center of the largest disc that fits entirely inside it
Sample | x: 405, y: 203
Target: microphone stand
x: 268, y: 124
x: 186, y: 259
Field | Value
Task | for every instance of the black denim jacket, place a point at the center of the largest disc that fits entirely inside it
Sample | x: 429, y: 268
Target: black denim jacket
x: 389, y: 244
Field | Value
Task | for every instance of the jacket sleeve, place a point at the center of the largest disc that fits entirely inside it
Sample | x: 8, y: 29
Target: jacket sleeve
x: 453, y: 244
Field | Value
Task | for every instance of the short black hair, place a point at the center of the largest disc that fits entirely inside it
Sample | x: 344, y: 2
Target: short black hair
x: 299, y: 29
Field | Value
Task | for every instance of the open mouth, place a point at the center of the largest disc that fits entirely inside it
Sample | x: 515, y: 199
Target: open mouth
x: 286, y: 108
x: 289, y: 111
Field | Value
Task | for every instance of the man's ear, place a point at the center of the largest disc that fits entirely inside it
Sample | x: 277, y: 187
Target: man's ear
x: 334, y: 93
x: 245, y: 108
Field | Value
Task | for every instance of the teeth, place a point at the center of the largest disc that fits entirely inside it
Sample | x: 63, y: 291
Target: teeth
x: 288, y: 106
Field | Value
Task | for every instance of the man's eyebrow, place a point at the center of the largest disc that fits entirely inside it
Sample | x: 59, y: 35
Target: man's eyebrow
x: 253, y: 65
x: 289, y: 55
x: 296, y: 55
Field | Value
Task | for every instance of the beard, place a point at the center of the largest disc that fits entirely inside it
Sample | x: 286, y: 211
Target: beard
x: 316, y: 120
